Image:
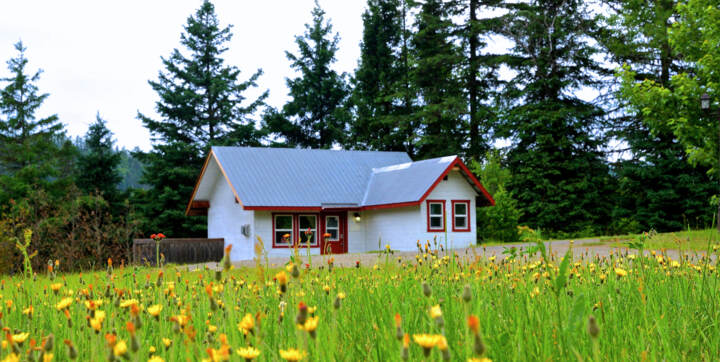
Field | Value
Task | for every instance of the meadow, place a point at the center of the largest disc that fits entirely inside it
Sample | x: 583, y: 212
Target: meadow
x: 439, y: 306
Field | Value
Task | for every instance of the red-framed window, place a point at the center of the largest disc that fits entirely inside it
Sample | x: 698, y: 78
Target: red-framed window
x: 461, y: 215
x: 332, y: 227
x: 299, y: 227
x: 435, y: 215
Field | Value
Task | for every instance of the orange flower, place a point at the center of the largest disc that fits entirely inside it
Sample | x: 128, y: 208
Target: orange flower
x: 398, y: 320
x: 327, y: 235
x: 228, y: 248
x: 109, y: 262
x: 473, y: 323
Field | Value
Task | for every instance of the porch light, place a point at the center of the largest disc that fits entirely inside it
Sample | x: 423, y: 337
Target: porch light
x: 705, y: 102
x: 357, y: 217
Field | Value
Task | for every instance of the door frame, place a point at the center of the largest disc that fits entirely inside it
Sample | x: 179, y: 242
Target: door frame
x: 343, y: 229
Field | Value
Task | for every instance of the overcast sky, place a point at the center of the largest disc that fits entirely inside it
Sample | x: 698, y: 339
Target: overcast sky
x: 97, y: 56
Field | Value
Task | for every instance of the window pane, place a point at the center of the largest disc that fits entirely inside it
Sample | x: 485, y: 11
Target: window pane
x: 307, y: 221
x: 435, y: 209
x: 331, y: 222
x: 460, y: 222
x: 436, y: 222
x: 460, y: 209
x: 304, y: 237
x: 283, y: 222
x: 333, y: 234
x: 279, y: 237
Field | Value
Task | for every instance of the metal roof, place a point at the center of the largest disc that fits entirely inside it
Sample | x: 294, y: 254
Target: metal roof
x: 405, y: 182
x: 291, y: 177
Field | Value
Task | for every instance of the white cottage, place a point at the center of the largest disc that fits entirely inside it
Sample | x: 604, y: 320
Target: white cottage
x: 342, y: 201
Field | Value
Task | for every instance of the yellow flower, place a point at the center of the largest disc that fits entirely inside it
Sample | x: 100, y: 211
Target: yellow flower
x: 281, y: 277
x: 167, y: 342
x: 12, y: 357
x: 246, y: 324
x: 341, y: 295
x: 120, y: 349
x: 55, y: 286
x: 442, y: 342
x: 481, y: 359
x: 535, y: 292
x: 48, y: 357
x: 96, y: 324
x: 152, y: 349
x: 156, y: 359
x: 310, y: 324
x: 674, y: 264
x: 155, y: 310
x: 620, y: 272
x: 248, y: 353
x: 292, y: 354
x: 64, y: 303
x: 20, y: 337
x: 128, y: 303
x: 435, y: 312
x: 212, y: 328
x: 100, y: 315
x: 28, y: 311
x: 425, y: 340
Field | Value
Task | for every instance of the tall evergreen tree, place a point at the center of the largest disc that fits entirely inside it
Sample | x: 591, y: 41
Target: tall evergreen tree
x: 383, y: 109
x: 317, y: 115
x: 98, y: 165
x: 658, y: 187
x: 34, y: 152
x: 560, y: 177
x: 436, y: 76
x: 201, y: 104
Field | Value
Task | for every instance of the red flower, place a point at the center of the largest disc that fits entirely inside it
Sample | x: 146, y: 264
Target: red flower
x: 153, y: 236
x: 308, y: 231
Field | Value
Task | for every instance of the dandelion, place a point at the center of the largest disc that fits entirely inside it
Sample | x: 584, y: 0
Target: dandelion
x: 426, y: 341
x: 20, y: 338
x: 64, y: 303
x: 620, y: 272
x: 28, y: 311
x: 292, y: 354
x: 128, y: 303
x: 248, y: 353
x: 55, y: 287
x: 247, y: 324
x: 120, y: 349
x: 156, y: 359
x: 310, y: 326
x: 281, y: 278
x: 167, y: 342
x: 436, y: 314
x: 155, y: 310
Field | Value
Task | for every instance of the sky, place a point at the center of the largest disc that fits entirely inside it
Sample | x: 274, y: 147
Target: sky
x: 97, y: 56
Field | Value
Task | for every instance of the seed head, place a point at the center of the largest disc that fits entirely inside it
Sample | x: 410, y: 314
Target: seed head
x: 593, y: 329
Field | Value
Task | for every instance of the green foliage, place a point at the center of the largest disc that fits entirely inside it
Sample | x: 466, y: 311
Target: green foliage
x: 316, y: 116
x: 202, y: 103
x: 24, y: 250
x: 560, y: 177
x: 499, y: 222
x: 98, y: 166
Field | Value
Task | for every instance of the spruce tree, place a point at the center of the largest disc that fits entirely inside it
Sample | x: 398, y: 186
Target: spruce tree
x: 560, y: 176
x: 383, y: 118
x: 98, y: 164
x: 437, y: 60
x: 34, y: 152
x: 316, y: 115
x: 202, y: 103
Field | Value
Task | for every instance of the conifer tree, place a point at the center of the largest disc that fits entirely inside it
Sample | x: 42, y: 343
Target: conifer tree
x: 34, y: 152
x: 202, y: 103
x: 98, y: 165
x: 316, y: 115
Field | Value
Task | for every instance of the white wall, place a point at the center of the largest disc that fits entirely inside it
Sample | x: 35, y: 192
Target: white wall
x: 398, y: 227
x: 456, y: 187
x: 225, y: 219
x: 263, y: 228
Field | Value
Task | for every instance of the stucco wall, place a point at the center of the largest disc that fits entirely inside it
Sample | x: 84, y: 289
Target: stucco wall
x: 225, y: 219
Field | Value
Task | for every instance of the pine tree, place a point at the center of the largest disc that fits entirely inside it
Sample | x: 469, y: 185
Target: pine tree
x: 201, y: 104
x: 34, y: 153
x: 98, y: 165
x: 317, y: 115
x: 435, y: 74
x: 383, y: 111
x: 560, y: 177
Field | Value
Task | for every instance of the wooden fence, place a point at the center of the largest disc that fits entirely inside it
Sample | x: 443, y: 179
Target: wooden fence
x: 179, y: 251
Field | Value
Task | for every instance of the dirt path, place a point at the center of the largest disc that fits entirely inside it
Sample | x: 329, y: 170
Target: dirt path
x: 588, y: 247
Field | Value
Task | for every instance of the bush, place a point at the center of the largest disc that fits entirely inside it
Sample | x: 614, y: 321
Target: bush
x: 499, y: 222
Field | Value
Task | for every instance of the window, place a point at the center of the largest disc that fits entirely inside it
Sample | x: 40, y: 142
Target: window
x: 332, y: 227
x: 308, y: 229
x: 283, y: 225
x: 461, y: 215
x: 436, y: 215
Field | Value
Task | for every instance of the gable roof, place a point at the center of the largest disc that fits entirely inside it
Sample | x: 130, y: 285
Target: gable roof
x: 277, y: 178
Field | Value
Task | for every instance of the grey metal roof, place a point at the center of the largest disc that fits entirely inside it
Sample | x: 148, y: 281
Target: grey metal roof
x: 406, y: 182
x: 303, y: 177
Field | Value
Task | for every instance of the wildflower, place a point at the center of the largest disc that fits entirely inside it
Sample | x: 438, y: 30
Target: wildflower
x: 156, y: 359
x: 467, y: 293
x: 28, y: 311
x: 406, y: 347
x: 96, y: 324
x: 167, y: 342
x: 72, y: 352
x: 310, y: 326
x: 535, y: 292
x: 436, y: 314
x: 248, y: 353
x: 64, y: 303
x: 55, y: 287
x: 426, y: 341
x: 226, y: 260
x: 326, y: 288
x: 338, y: 300
x: 47, y: 357
x: 247, y: 324
x: 292, y: 354
x: 302, y: 314
x: 282, y: 280
x: 120, y: 349
x: 155, y: 310
x: 20, y: 338
x: 398, y: 326
x: 443, y: 347
x: 620, y: 272
x: 128, y: 303
x: 593, y: 329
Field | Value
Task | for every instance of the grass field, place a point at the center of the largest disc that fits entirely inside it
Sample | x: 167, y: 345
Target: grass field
x: 437, y: 307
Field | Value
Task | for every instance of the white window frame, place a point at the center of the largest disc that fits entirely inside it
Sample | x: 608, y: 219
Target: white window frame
x: 466, y: 215
x: 290, y: 231
x: 441, y: 215
x: 337, y: 228
x: 301, y: 230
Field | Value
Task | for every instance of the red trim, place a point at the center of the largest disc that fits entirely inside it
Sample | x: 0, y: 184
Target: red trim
x: 467, y: 214
x: 284, y: 208
x: 475, y: 181
x: 389, y: 206
x: 295, y: 230
x: 427, y: 211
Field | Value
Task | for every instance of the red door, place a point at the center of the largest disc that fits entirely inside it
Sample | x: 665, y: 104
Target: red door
x: 336, y: 226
